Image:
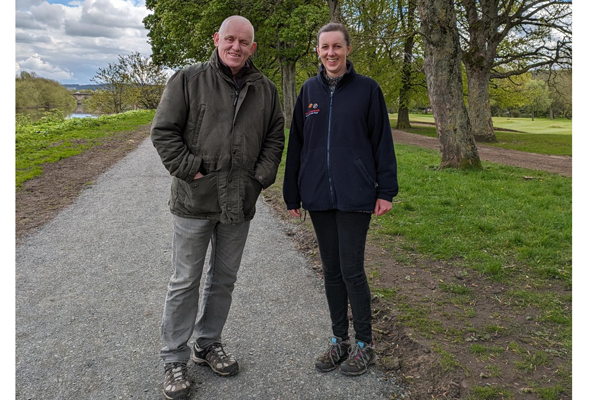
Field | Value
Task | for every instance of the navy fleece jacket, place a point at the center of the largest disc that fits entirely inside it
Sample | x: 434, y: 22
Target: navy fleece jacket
x: 340, y: 152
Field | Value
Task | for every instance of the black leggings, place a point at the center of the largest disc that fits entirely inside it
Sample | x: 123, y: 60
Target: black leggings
x: 342, y: 237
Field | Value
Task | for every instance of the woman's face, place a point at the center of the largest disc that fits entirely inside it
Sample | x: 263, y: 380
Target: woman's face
x: 333, y: 51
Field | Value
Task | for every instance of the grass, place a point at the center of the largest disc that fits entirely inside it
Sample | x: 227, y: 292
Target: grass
x: 52, y: 138
x: 488, y: 219
x: 542, y: 136
x: 506, y: 231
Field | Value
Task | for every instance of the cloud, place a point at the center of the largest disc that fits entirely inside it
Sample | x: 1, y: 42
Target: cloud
x: 80, y: 28
x: 24, y: 20
x: 22, y: 37
x: 25, y: 4
x: 78, y: 36
x: 49, y: 14
x: 42, y: 68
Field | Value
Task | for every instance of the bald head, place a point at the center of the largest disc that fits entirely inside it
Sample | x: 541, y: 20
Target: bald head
x: 238, y: 19
x: 235, y: 42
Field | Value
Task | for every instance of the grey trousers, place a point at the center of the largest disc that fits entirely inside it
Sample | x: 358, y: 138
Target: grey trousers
x: 190, y: 244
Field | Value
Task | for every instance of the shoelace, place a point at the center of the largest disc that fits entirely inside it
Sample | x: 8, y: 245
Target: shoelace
x: 334, y: 351
x: 177, y: 372
x: 358, y: 355
x: 218, y: 348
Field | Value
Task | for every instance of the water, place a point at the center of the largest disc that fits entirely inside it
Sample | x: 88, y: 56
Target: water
x: 68, y: 112
x: 80, y: 113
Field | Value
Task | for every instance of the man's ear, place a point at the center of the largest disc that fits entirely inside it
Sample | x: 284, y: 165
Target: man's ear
x: 216, y: 39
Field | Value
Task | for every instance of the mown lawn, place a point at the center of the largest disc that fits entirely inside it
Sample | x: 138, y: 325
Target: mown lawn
x: 542, y: 136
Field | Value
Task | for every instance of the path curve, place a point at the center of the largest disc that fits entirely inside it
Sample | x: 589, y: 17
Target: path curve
x: 556, y: 164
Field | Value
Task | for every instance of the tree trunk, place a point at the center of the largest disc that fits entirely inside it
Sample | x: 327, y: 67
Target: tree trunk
x: 335, y: 12
x: 481, y: 19
x: 444, y: 84
x: 288, y: 84
x: 403, y: 121
x: 404, y: 95
x: 480, y: 112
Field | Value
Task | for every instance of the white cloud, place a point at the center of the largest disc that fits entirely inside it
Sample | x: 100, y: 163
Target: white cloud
x: 24, y: 20
x: 77, y: 36
x: 42, y: 68
x: 23, y: 37
x: 25, y: 4
x: 49, y: 14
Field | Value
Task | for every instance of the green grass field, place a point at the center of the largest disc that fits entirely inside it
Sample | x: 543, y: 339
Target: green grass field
x: 558, y: 126
x: 52, y: 138
x: 542, y: 136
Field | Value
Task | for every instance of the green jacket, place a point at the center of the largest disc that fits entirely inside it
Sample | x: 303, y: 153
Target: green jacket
x: 232, y: 136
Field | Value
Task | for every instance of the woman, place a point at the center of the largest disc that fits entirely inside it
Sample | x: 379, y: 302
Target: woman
x: 341, y: 167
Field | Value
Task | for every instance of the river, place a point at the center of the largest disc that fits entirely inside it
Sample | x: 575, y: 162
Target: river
x: 68, y: 112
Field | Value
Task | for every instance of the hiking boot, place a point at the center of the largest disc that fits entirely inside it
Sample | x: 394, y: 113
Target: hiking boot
x: 216, y: 358
x: 177, y: 383
x: 336, y: 353
x: 361, y: 356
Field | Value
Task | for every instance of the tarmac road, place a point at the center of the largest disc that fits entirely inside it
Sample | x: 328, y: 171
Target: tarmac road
x: 90, y: 288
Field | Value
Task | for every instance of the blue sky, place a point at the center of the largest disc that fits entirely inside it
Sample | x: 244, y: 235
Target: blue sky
x: 68, y: 41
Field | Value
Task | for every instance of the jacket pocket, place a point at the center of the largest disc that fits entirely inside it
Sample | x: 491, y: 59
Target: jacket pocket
x: 201, y: 196
x: 252, y: 189
x: 363, y: 170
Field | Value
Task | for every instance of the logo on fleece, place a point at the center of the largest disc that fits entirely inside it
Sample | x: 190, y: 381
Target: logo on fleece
x: 313, y: 108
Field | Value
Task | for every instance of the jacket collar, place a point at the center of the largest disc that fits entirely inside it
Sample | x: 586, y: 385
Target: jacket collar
x: 251, y: 73
x: 347, y: 77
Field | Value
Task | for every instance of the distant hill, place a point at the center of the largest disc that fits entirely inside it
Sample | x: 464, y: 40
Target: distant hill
x: 76, y: 87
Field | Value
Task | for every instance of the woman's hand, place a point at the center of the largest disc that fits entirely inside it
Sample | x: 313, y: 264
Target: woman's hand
x: 382, y: 206
x: 295, y: 212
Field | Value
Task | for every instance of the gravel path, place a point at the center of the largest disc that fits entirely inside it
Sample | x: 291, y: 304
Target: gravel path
x: 90, y: 287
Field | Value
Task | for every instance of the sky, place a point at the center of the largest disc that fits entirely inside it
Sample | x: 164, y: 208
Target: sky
x: 69, y: 40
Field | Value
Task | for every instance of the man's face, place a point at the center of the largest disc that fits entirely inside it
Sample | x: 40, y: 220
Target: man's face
x: 234, y: 44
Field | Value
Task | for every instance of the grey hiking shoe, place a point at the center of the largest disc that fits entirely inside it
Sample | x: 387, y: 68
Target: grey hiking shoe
x: 177, y: 383
x: 336, y: 353
x: 216, y: 358
x: 361, y: 356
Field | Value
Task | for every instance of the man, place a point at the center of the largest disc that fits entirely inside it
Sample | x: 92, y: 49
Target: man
x: 219, y: 132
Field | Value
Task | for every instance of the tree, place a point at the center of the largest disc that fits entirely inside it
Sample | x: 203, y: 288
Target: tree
x: 517, y: 35
x: 114, y: 94
x: 560, y: 84
x: 287, y: 35
x: 538, y: 96
x: 384, y: 34
x: 133, y: 81
x: 507, y: 94
x: 148, y: 79
x: 32, y: 91
x: 409, y: 27
x: 444, y: 84
x: 335, y: 13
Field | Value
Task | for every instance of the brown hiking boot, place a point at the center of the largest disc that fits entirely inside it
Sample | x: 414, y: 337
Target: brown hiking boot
x: 216, y: 358
x: 177, y: 383
x: 358, y: 361
x: 336, y: 353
